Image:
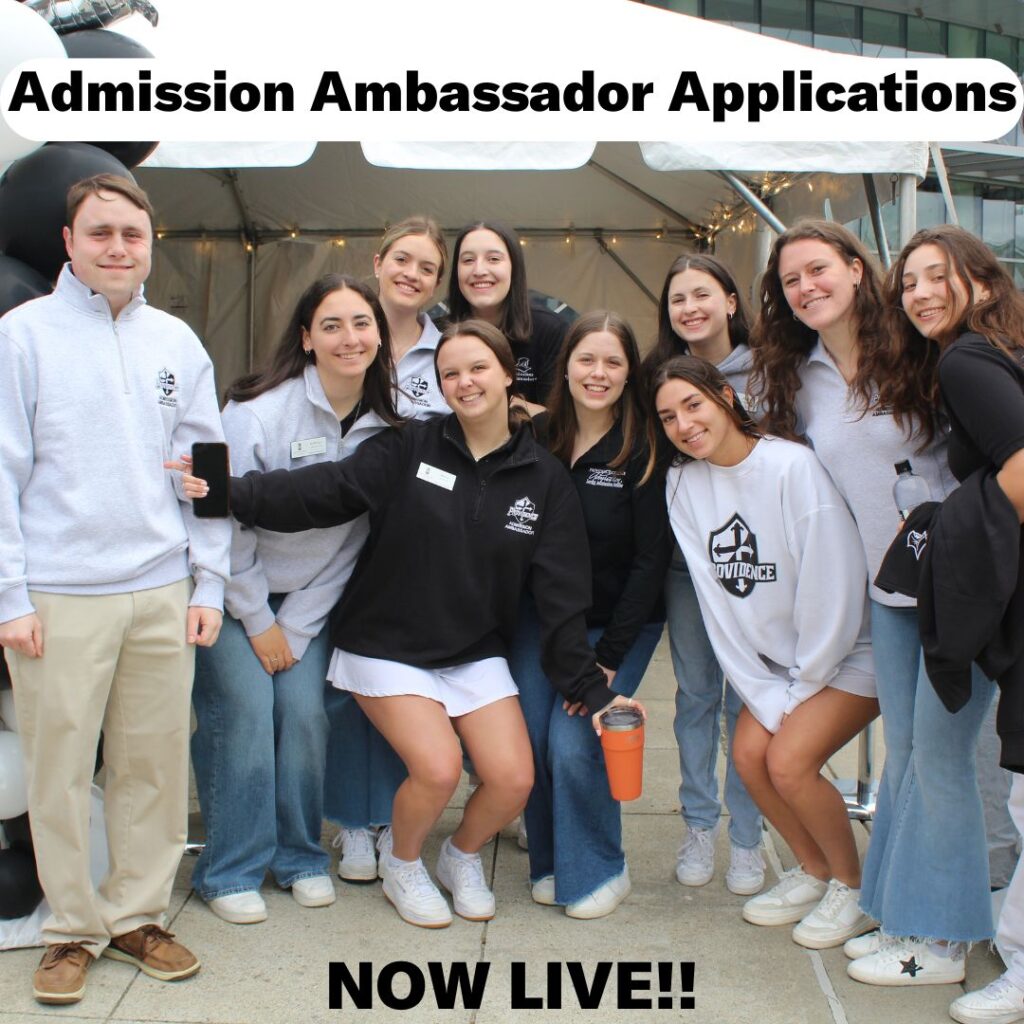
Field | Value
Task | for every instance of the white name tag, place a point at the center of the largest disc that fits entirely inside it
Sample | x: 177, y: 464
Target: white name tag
x: 311, y: 446
x: 433, y: 475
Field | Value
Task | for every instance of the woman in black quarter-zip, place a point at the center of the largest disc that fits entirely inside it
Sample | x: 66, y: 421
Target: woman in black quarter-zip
x: 599, y: 428
x: 462, y: 510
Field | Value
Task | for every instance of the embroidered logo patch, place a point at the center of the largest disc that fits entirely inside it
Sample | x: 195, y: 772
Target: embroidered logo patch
x: 733, y: 550
x: 916, y: 541
x: 521, y: 514
x: 166, y: 388
x: 524, y: 371
x: 417, y: 387
x: 601, y: 477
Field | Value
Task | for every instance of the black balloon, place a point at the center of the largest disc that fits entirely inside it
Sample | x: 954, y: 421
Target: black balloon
x: 98, y: 42
x: 19, y: 283
x: 20, y: 892
x: 18, y: 832
x: 33, y: 194
x: 88, y: 43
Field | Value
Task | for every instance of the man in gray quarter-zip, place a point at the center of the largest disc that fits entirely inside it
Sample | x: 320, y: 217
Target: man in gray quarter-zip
x: 107, y: 582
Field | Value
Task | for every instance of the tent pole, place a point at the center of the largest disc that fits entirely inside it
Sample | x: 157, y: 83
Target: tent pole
x: 876, y: 220
x: 940, y: 171
x: 645, y: 196
x: 908, y: 207
x: 251, y: 313
x: 623, y: 266
x: 758, y: 204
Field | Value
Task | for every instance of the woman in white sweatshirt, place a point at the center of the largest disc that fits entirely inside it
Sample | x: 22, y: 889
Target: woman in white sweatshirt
x: 780, y: 575
x: 260, y: 744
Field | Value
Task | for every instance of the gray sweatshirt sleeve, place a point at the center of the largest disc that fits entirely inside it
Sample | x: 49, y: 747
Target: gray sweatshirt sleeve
x: 209, y: 540
x: 832, y: 581
x: 18, y: 385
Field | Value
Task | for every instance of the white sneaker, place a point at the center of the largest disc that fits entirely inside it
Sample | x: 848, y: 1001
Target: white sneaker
x: 835, y: 919
x: 385, y: 840
x: 746, y: 870
x: 413, y: 894
x: 999, y: 1002
x: 358, y: 861
x: 240, y: 907
x: 791, y: 899
x: 603, y: 900
x: 317, y: 891
x: 522, y: 840
x: 463, y: 876
x: 902, y: 962
x: 695, y: 862
x: 863, y: 945
x: 543, y: 891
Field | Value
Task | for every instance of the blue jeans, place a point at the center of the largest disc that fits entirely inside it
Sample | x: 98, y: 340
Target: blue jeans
x: 926, y: 871
x: 698, y: 711
x: 258, y: 753
x: 363, y: 772
x: 573, y: 824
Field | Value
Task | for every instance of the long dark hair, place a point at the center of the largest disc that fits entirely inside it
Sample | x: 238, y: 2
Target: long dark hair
x: 885, y: 378
x: 289, y: 360
x: 669, y: 343
x: 999, y: 318
x: 710, y: 382
x: 498, y: 344
x: 516, y: 320
x: 631, y: 408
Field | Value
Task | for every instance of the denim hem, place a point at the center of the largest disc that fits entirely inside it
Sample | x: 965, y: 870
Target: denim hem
x: 324, y: 873
x: 206, y: 897
x: 565, y: 902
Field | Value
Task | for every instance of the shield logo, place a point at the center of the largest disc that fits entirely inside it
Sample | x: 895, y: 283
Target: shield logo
x: 733, y: 550
x: 417, y: 387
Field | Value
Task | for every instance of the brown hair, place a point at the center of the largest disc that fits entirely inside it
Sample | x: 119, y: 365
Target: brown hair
x: 516, y: 318
x: 498, y: 344
x: 885, y: 379
x: 290, y: 360
x: 416, y: 225
x: 669, y: 343
x: 999, y: 318
x: 711, y: 382
x: 631, y: 408
x: 81, y: 190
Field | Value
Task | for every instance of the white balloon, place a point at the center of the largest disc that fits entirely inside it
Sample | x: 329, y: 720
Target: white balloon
x: 24, y: 35
x: 7, y: 710
x: 13, y: 788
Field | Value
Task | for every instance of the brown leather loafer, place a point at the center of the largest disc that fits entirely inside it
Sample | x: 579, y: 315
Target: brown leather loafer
x: 60, y: 976
x: 154, y: 952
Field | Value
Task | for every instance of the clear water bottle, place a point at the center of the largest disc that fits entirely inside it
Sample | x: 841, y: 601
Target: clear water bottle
x: 910, y: 490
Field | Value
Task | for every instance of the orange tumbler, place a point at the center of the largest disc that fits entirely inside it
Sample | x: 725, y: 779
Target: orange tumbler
x: 622, y: 740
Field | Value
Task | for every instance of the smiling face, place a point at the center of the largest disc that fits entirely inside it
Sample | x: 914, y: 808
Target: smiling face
x: 699, y: 426
x: 343, y: 337
x: 819, y: 285
x: 472, y: 381
x: 597, y: 371
x: 933, y: 297
x: 485, y: 273
x: 699, y: 309
x: 408, y: 272
x: 110, y: 247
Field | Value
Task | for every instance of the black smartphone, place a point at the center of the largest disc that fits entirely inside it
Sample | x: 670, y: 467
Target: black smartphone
x: 210, y: 463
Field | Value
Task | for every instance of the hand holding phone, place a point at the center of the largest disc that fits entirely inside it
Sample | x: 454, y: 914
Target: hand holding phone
x: 210, y: 463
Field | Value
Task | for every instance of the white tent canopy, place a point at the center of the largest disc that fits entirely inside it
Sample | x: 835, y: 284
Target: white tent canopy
x: 239, y: 245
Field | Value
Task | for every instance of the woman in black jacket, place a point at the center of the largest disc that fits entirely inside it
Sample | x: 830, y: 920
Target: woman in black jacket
x: 954, y: 293
x: 599, y: 428
x: 462, y: 509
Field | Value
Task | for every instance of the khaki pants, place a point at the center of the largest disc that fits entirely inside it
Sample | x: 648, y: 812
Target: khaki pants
x: 117, y: 662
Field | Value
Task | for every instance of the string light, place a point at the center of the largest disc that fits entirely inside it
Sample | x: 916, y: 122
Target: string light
x: 293, y: 234
x: 339, y: 243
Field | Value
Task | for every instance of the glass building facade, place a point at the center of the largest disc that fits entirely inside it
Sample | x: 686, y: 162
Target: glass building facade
x: 992, y: 210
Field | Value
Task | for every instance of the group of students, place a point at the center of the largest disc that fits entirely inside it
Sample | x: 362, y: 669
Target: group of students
x: 467, y: 579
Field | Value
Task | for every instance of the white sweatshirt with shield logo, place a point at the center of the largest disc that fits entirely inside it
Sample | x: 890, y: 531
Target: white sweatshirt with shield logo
x: 780, y: 575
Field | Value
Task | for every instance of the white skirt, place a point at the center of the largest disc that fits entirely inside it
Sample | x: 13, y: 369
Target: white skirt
x: 460, y: 688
